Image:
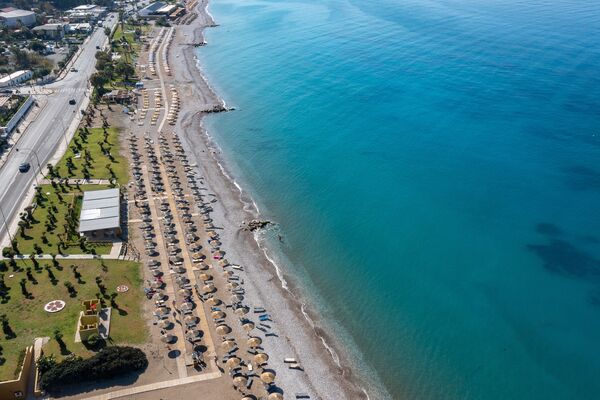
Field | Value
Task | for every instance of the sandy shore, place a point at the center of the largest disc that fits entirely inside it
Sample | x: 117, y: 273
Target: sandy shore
x: 324, y: 375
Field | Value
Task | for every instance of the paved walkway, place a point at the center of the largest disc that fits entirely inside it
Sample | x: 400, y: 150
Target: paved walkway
x: 156, y: 386
x: 114, y: 254
x: 80, y: 181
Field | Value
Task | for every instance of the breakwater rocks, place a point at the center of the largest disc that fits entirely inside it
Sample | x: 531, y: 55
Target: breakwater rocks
x: 218, y: 108
x: 255, y: 224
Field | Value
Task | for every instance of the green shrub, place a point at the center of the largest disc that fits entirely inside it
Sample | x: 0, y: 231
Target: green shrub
x: 108, y: 363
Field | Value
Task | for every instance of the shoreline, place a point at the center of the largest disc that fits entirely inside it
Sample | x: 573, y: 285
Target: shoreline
x: 325, y: 366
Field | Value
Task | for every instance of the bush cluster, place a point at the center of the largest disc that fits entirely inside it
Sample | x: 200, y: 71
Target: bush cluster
x: 108, y: 363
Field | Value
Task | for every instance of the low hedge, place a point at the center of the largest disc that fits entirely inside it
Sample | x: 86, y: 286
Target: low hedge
x: 108, y: 363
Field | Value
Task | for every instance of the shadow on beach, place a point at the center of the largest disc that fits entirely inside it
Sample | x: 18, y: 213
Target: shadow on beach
x: 73, y: 390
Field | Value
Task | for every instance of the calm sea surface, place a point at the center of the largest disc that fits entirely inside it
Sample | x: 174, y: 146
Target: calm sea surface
x: 435, y: 170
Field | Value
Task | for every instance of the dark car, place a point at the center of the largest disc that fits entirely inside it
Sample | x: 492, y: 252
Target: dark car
x: 24, y: 167
x: 72, y: 102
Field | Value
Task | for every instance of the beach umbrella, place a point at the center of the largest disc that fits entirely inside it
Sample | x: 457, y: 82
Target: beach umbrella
x: 212, y: 234
x: 184, y: 292
x: 198, y: 256
x: 179, y: 270
x: 190, y: 320
x: 232, y: 285
x: 223, y: 329
x: 241, y: 310
x: 194, y: 333
x: 275, y: 396
x: 205, y: 276
x: 224, y: 262
x: 254, y: 341
x: 156, y: 284
x: 233, y: 362
x: 240, y: 380
x: 213, y: 301
x: 227, y: 344
x: 261, y: 358
x: 218, y: 314
x: 156, y: 272
x: 159, y: 295
x: 165, y: 324
x: 208, y: 288
x: 236, y: 298
x: 218, y: 254
x: 187, y: 306
x: 227, y: 273
x: 161, y: 311
x: 167, y: 338
x: 248, y: 326
x: 267, y: 377
x: 214, y: 243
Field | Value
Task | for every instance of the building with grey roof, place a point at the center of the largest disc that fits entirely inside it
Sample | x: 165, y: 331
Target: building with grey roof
x: 16, y: 18
x: 100, y: 217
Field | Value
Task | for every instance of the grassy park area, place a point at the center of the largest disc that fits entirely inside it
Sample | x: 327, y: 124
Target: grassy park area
x: 52, y: 225
x: 25, y: 291
x: 94, y: 153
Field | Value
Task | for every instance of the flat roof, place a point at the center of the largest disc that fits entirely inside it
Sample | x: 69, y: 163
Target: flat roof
x: 100, y: 210
x: 14, y: 75
x: 16, y: 14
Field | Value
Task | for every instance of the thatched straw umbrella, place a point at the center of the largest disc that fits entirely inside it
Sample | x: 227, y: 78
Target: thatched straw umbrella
x: 218, y: 314
x: 232, y: 285
x: 254, y: 341
x: 275, y: 396
x: 205, y: 277
x: 267, y: 377
x: 165, y: 324
x: 161, y: 311
x: 187, y: 306
x: 248, y: 326
x: 159, y: 295
x: 242, y: 310
x: 223, y: 329
x: 184, y: 292
x: 227, y: 344
x: 261, y: 358
x: 191, y: 320
x: 208, y: 288
x: 240, y: 380
x: 233, y: 362
x: 213, y: 301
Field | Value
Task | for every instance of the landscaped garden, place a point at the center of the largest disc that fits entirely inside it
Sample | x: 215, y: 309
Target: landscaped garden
x: 25, y: 287
x: 94, y: 153
x: 50, y: 225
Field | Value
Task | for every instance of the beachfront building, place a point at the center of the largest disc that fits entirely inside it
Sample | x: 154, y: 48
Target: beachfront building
x: 15, y: 78
x: 15, y: 18
x: 100, y: 218
x: 151, y: 10
x: 50, y: 31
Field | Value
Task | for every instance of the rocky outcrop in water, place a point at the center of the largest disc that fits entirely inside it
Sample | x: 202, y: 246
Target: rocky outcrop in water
x: 255, y: 224
x: 218, y: 108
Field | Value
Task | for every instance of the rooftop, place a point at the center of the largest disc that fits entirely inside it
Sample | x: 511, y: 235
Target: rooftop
x: 14, y: 75
x: 100, y: 210
x: 16, y: 13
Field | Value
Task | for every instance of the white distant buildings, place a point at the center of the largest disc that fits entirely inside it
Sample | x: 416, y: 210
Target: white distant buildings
x: 15, y: 78
x: 13, y: 18
x: 86, y: 13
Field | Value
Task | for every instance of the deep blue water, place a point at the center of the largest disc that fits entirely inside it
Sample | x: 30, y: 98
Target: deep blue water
x: 435, y: 169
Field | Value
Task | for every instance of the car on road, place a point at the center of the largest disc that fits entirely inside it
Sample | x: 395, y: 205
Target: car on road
x: 97, y: 47
x: 72, y: 102
x: 73, y: 69
x: 24, y: 167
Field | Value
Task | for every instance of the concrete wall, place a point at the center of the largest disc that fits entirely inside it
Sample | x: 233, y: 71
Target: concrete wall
x: 14, y: 121
x: 10, y: 390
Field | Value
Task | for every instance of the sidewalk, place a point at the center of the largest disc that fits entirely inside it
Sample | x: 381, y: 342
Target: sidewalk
x: 114, y: 254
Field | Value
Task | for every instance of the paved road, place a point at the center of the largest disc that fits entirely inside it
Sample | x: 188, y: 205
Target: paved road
x: 44, y: 136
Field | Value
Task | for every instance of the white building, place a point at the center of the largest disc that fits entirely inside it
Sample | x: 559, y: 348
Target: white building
x: 15, y: 78
x: 16, y: 18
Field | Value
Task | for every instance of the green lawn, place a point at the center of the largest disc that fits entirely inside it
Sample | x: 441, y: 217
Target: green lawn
x: 28, y: 319
x: 38, y: 230
x: 98, y: 159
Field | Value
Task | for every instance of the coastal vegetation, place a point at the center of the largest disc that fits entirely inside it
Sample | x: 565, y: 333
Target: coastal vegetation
x: 108, y: 363
x: 94, y: 153
x: 25, y: 287
x: 49, y: 225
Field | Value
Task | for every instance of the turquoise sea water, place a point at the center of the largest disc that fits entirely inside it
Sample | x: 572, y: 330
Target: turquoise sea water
x: 435, y: 169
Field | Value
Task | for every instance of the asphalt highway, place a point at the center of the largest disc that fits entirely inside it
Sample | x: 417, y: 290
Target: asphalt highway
x: 43, y: 137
